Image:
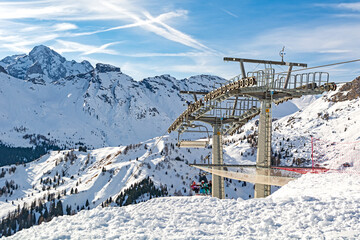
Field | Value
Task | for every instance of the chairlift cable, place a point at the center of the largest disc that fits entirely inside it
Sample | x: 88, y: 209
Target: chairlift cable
x: 320, y: 66
x: 281, y: 68
x: 255, y: 67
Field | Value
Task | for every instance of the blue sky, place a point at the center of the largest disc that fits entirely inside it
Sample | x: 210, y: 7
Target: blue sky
x: 186, y: 37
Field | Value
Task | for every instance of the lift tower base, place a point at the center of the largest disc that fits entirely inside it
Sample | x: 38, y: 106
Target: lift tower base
x: 263, y: 160
x: 217, y: 158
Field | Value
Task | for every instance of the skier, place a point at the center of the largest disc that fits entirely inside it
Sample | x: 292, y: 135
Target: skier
x: 195, y: 187
x: 205, y: 186
x: 204, y: 189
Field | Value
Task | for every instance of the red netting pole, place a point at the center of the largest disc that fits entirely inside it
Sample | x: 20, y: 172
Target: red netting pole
x: 312, y: 152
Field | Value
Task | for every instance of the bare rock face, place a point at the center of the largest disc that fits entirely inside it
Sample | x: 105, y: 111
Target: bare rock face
x: 349, y: 91
x: 103, y: 68
x: 35, y: 68
x: 3, y: 70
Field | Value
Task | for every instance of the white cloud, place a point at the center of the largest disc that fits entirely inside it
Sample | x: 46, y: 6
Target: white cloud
x: 132, y: 13
x: 349, y: 9
x: 349, y: 6
x: 230, y: 13
x: 21, y: 37
x: 332, y: 39
x: 64, y: 27
x: 22, y: 12
x: 181, y: 54
x: 159, y: 27
x: 173, y: 34
x: 63, y: 46
x: 347, y: 15
x: 184, y: 69
x: 139, y: 23
x: 93, y: 61
x: 31, y: 29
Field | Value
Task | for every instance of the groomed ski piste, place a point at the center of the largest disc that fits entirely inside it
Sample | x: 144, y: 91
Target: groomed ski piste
x: 319, y: 206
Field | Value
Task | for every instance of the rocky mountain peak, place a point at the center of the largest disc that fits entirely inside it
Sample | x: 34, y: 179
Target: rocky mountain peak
x: 2, y: 69
x: 349, y: 91
x: 103, y: 68
x: 47, y: 64
x: 44, y: 54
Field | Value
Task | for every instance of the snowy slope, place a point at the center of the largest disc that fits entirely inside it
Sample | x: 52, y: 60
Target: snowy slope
x: 335, y: 123
x: 314, y: 206
x: 103, y: 173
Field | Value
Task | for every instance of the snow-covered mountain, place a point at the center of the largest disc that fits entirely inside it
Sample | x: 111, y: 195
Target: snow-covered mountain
x: 43, y: 65
x: 76, y: 103
x: 47, y: 100
x: 333, y: 122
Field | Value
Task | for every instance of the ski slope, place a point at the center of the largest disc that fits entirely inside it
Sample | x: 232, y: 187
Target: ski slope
x: 157, y: 159
x: 325, y: 206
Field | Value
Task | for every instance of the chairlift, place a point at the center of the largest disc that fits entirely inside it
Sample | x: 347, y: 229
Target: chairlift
x: 200, y: 143
x: 203, y: 187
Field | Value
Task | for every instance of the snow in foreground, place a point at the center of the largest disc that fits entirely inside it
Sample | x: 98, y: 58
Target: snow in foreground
x: 314, y: 206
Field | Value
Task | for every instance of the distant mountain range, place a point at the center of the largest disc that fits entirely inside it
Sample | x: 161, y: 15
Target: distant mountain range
x: 65, y: 102
x: 46, y: 99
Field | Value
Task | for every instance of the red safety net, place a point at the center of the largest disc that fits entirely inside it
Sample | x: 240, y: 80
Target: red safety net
x: 335, y: 156
x: 330, y: 156
x: 303, y: 170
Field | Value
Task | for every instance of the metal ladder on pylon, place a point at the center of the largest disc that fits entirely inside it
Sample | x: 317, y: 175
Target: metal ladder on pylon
x: 270, y: 77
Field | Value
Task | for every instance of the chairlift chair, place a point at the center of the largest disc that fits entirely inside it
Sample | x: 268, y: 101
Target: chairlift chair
x: 201, y: 143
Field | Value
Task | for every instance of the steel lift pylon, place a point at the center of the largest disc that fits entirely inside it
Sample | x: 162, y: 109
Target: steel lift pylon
x: 273, y: 89
x: 230, y: 106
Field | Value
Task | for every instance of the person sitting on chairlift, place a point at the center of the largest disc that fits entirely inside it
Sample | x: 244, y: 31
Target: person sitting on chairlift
x: 202, y: 188
x: 205, y: 187
x: 195, y: 187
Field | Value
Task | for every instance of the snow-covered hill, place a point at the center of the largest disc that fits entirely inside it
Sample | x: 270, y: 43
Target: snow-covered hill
x: 95, y: 176
x: 70, y: 104
x: 334, y: 124
x: 312, y: 207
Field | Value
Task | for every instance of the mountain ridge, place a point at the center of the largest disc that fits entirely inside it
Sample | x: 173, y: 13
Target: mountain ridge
x: 42, y: 65
x: 96, y: 107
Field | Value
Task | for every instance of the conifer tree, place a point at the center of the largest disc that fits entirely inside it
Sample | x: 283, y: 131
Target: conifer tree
x: 59, y: 209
